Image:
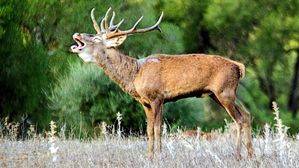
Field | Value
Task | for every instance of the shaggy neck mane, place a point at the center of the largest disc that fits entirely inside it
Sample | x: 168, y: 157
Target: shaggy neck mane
x: 120, y: 68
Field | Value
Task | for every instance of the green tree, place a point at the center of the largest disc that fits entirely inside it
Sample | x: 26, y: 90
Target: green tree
x: 24, y: 71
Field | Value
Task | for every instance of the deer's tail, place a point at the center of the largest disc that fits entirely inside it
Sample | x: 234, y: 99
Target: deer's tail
x: 241, y: 69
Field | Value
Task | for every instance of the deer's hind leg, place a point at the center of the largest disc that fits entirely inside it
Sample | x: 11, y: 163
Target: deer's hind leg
x: 246, y: 126
x: 227, y: 100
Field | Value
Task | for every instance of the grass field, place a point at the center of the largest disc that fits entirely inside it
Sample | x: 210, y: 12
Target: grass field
x: 270, y: 151
x: 273, y: 148
x: 130, y: 152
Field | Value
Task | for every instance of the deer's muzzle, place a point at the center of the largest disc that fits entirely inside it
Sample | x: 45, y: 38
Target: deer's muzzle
x: 80, y: 44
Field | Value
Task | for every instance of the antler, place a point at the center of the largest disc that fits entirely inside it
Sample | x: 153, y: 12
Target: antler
x: 113, y: 30
x: 134, y: 30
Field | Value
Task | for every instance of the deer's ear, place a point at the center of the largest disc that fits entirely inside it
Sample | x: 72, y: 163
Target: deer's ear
x: 115, y: 41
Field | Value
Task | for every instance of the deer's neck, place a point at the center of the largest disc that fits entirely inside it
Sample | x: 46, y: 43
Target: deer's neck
x: 119, y: 67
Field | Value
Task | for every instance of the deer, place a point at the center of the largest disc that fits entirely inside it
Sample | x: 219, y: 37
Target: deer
x: 161, y: 78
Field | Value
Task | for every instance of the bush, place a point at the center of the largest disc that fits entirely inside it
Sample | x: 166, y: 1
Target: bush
x: 86, y: 97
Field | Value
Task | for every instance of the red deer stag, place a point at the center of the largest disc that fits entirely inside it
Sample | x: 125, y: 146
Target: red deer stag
x: 161, y: 78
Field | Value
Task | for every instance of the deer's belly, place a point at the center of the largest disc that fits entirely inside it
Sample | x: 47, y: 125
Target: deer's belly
x: 180, y: 95
x: 186, y: 90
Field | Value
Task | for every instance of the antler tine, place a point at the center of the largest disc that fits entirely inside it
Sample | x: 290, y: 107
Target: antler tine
x: 130, y: 30
x: 155, y: 26
x: 135, y: 25
x: 111, y: 21
x: 117, y: 26
x: 95, y: 24
x: 102, y: 26
x: 113, y: 27
x: 133, y: 30
x: 106, y: 18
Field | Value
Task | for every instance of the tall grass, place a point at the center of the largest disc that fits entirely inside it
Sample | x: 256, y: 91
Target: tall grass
x: 273, y: 148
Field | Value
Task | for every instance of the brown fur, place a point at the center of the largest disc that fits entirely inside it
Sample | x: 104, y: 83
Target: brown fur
x: 119, y: 67
x: 161, y: 78
x: 181, y: 75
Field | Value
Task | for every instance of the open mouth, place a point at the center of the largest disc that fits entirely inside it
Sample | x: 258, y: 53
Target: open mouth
x: 80, y: 44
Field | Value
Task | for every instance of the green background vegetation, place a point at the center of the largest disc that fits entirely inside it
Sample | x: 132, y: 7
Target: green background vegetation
x: 40, y: 80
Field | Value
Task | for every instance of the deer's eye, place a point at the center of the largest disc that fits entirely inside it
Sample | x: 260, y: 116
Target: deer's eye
x: 96, y: 39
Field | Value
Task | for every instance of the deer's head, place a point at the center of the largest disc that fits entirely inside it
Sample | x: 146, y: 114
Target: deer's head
x: 107, y: 36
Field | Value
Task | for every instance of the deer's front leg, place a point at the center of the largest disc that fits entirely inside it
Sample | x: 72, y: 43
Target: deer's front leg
x: 157, y: 107
x: 150, y: 131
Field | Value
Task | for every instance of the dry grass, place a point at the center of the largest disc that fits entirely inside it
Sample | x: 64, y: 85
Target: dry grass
x: 272, y: 149
x: 130, y: 152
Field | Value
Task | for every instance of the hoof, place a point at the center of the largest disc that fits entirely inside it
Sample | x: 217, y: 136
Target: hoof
x: 238, y: 156
x: 150, y: 156
x: 250, y: 155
